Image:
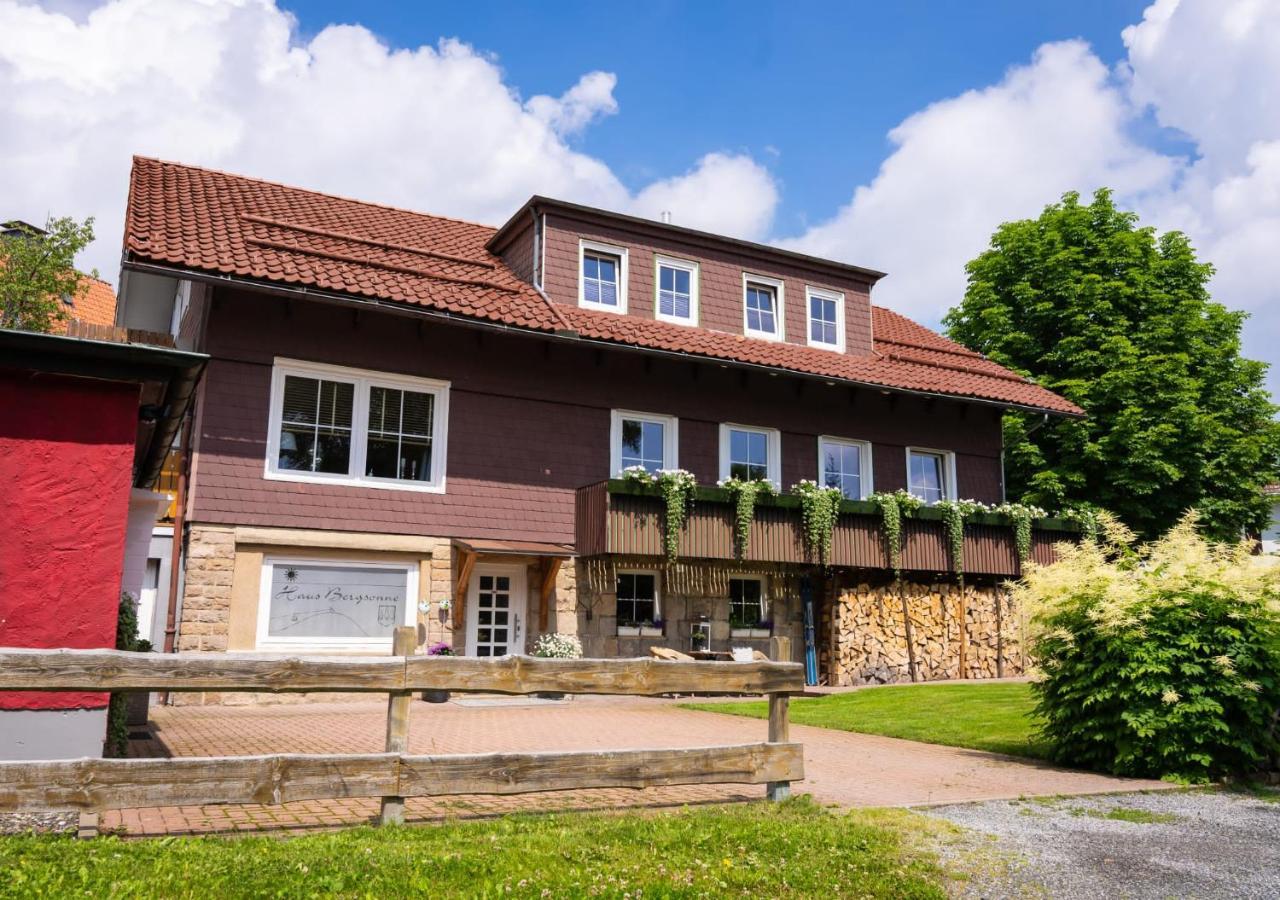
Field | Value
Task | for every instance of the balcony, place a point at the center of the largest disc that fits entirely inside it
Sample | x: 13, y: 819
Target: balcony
x: 621, y: 517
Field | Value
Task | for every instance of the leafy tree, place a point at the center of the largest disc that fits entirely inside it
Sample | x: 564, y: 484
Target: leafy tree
x: 38, y: 270
x: 1120, y: 321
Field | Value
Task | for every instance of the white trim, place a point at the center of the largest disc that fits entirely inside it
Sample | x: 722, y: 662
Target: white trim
x: 948, y: 470
x: 670, y: 438
x: 865, y: 478
x: 519, y: 587
x: 263, y: 641
x: 773, y: 447
x: 825, y: 294
x: 362, y: 380
x: 779, y: 315
x: 657, y: 603
x: 623, y: 270
x: 695, y: 274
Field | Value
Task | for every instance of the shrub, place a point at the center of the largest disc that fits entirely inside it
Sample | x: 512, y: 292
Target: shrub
x: 117, y: 706
x: 558, y: 646
x: 1161, y: 660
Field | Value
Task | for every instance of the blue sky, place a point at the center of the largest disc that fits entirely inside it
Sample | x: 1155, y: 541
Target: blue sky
x: 896, y: 136
x: 811, y: 89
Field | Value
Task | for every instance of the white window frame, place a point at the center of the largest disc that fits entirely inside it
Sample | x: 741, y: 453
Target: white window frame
x: 363, y: 380
x: 779, y: 316
x: 825, y: 294
x: 623, y: 270
x: 948, y: 470
x: 773, y: 447
x: 670, y: 438
x: 640, y: 630
x: 694, y: 271
x: 739, y: 632
x: 263, y: 641
x: 864, y: 459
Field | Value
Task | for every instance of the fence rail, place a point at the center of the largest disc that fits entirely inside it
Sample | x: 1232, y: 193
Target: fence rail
x: 103, y: 784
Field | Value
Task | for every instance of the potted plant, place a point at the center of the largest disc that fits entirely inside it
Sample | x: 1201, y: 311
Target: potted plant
x: 439, y: 648
x: 557, y: 646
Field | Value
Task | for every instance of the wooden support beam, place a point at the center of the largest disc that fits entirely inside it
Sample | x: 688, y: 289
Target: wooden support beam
x: 466, y: 562
x: 550, y: 569
x: 403, y: 642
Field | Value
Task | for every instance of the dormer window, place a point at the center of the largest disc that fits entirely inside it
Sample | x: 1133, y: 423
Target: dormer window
x: 826, y: 318
x: 603, y: 281
x: 677, y: 290
x: 762, y: 307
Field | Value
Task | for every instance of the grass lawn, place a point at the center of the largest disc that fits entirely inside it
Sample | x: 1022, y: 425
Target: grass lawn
x: 991, y: 716
x: 796, y: 848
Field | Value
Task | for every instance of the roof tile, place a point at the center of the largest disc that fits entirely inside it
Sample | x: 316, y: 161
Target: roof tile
x: 217, y: 222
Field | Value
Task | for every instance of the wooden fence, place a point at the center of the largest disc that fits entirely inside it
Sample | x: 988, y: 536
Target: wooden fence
x: 102, y: 784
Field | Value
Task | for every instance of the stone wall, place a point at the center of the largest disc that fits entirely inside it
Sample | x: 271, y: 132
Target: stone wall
x: 974, y: 634
x: 687, y: 590
x: 206, y: 596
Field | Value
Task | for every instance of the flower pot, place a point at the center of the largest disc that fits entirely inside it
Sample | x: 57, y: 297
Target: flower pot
x: 436, y: 696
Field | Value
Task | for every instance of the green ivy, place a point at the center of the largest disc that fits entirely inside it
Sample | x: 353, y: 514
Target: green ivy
x: 676, y: 487
x: 819, y: 510
x: 1021, y: 515
x: 117, y: 705
x: 954, y: 512
x: 894, y: 506
x: 744, y: 494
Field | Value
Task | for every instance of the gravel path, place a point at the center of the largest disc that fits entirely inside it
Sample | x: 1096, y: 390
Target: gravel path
x: 21, y: 823
x: 1201, y: 843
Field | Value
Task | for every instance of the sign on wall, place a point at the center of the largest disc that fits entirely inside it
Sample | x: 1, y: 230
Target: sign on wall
x: 333, y: 600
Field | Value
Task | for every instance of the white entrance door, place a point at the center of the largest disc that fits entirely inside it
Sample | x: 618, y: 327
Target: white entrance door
x: 496, y: 607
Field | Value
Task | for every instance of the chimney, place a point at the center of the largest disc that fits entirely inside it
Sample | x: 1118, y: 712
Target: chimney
x: 666, y: 217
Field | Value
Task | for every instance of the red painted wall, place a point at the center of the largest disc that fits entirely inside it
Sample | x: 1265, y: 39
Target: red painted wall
x: 66, y: 459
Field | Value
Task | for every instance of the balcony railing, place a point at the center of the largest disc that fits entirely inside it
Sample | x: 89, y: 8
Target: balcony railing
x: 621, y: 517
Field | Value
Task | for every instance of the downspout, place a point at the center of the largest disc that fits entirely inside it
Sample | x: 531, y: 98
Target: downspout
x: 175, y: 555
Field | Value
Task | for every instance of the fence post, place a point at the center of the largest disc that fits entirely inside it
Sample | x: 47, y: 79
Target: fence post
x: 402, y: 644
x: 779, y: 733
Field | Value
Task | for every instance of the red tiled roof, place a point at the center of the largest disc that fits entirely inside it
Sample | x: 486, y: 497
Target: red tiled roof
x: 96, y: 304
x: 216, y: 222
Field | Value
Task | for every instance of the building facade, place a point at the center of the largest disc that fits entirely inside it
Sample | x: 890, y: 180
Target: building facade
x: 413, y: 420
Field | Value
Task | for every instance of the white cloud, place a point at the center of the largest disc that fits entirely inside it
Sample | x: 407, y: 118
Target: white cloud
x: 1063, y: 122
x: 229, y: 84
x: 723, y: 194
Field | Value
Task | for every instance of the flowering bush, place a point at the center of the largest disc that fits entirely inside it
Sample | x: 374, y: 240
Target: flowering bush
x: 1161, y: 660
x: 558, y: 646
x: 744, y: 492
x: 440, y: 648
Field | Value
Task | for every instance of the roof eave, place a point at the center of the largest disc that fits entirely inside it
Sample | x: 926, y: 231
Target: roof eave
x: 134, y: 263
x: 539, y: 202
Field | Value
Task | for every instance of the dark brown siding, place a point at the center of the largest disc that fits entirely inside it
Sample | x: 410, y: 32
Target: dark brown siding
x: 518, y: 251
x: 720, y: 285
x: 529, y: 422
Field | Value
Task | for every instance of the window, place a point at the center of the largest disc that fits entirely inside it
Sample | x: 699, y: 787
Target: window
x: 845, y: 465
x: 323, y: 604
x: 826, y: 319
x: 746, y: 603
x: 330, y: 424
x: 603, y: 281
x: 637, y: 600
x: 930, y: 474
x: 749, y: 453
x: 762, y: 307
x: 643, y: 439
x: 677, y: 291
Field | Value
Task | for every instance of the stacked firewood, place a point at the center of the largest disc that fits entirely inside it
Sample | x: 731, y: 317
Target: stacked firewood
x: 944, y: 634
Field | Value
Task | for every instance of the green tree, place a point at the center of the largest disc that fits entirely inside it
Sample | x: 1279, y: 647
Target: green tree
x: 1120, y: 321
x: 37, y: 271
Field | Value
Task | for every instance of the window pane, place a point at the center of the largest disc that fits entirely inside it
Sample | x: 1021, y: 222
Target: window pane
x: 748, y: 455
x: 315, y: 433
x: 760, y: 309
x: 643, y: 444
x: 636, y: 603
x: 399, y: 440
x: 336, y: 601
x: 926, y: 477
x: 746, y: 603
x: 666, y: 278
x: 682, y: 280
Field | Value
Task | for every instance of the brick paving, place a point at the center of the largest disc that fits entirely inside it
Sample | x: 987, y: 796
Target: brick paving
x: 842, y: 768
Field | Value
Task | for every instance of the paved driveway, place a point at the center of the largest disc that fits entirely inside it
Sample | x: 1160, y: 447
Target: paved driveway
x: 842, y: 768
